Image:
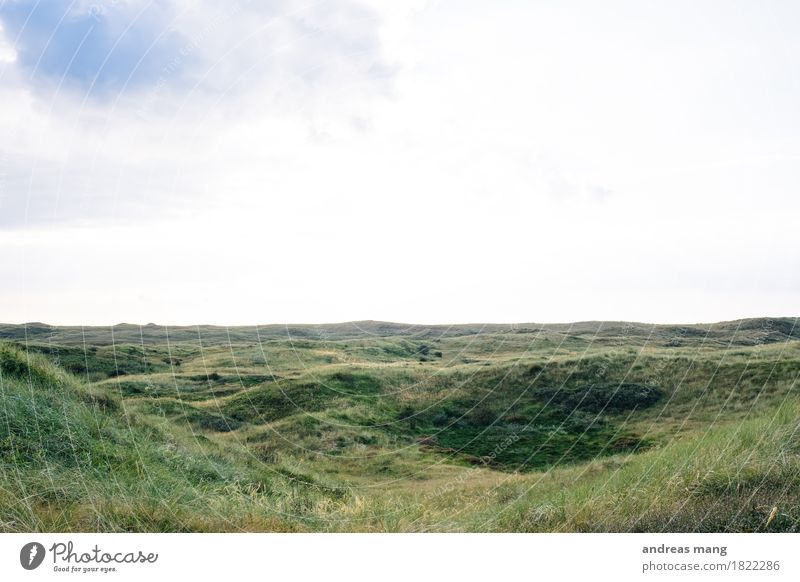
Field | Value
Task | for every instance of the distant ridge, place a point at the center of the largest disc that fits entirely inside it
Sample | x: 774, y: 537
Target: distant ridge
x: 742, y: 331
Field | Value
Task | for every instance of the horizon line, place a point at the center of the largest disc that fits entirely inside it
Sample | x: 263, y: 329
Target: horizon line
x: 356, y: 322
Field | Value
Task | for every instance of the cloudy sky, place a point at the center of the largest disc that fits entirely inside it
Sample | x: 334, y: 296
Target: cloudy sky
x: 240, y: 161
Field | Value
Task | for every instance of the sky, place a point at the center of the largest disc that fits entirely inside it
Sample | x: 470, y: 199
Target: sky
x: 242, y: 162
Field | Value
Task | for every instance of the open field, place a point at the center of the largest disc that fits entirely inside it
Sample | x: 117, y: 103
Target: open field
x: 373, y: 426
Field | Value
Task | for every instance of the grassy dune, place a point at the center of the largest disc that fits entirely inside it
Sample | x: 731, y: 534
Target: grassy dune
x: 374, y: 426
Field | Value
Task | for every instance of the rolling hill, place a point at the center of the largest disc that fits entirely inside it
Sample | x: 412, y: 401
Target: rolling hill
x: 376, y: 426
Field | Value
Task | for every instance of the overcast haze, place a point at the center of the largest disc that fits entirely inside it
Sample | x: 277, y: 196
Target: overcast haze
x: 254, y: 162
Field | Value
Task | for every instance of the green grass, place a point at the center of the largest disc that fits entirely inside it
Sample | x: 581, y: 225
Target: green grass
x: 75, y: 461
x: 384, y: 427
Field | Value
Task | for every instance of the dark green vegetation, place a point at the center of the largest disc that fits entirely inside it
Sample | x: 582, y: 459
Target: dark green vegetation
x: 375, y: 426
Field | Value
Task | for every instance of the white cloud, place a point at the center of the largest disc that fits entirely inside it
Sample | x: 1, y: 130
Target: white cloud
x: 7, y: 52
x: 423, y: 162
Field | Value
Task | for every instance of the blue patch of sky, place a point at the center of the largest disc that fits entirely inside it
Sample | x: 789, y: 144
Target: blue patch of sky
x: 102, y: 51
